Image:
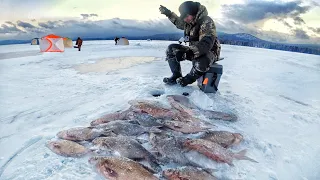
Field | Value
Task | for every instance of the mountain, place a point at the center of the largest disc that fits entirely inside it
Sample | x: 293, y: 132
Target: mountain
x: 7, y: 42
x: 171, y: 36
x: 239, y: 37
x: 243, y: 39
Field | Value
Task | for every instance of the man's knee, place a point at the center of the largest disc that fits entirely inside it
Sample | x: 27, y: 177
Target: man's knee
x: 201, y: 68
x: 202, y: 64
x: 173, y: 49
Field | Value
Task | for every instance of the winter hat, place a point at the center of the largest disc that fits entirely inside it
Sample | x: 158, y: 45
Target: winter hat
x: 188, y: 8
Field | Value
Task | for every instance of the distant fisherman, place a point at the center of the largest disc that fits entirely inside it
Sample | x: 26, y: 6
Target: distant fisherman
x: 116, y: 40
x: 79, y: 43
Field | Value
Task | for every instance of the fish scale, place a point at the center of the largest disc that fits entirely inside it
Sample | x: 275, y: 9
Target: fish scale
x: 223, y: 138
x: 215, y: 151
x: 79, y: 134
x: 67, y: 148
x: 120, y: 168
x: 187, y: 173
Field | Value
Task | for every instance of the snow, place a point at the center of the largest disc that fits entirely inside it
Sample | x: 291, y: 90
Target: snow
x: 275, y: 94
x: 112, y: 64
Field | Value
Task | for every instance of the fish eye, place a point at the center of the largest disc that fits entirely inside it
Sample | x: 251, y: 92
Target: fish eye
x: 169, y: 170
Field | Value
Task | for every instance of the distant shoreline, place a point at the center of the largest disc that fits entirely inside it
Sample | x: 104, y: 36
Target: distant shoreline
x: 240, y: 39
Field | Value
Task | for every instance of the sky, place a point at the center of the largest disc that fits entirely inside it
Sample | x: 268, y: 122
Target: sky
x: 290, y: 21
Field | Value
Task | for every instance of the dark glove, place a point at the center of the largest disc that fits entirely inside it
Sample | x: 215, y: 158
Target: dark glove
x: 165, y: 11
x: 189, y: 54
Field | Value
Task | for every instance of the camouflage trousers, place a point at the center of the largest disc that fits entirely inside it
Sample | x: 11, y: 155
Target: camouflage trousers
x: 176, y: 53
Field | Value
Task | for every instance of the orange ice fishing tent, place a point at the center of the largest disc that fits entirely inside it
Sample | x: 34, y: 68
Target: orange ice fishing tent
x: 51, y: 43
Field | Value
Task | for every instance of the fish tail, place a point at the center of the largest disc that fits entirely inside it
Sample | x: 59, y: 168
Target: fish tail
x: 155, y: 129
x: 230, y: 164
x: 89, y: 153
x: 92, y: 152
x: 190, y: 163
x: 154, y: 163
x: 242, y: 156
x: 210, y: 170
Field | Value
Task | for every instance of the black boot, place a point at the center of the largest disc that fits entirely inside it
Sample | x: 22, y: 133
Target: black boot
x: 190, y: 77
x: 176, y: 71
x: 171, y: 80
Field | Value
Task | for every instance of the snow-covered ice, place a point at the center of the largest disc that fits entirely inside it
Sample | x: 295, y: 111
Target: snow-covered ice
x: 275, y: 94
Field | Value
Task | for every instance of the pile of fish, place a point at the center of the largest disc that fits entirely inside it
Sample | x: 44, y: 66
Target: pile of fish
x: 117, y: 149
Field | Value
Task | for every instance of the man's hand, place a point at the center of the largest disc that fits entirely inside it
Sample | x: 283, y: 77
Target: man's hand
x: 189, y: 55
x: 185, y: 54
x: 165, y: 11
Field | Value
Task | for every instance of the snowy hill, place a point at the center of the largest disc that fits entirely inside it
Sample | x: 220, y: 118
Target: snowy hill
x: 275, y: 95
x: 247, y: 37
x: 243, y: 39
x: 239, y: 36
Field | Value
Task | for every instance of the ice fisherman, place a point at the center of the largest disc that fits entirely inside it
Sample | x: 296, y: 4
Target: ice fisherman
x: 116, y: 40
x: 204, y: 47
x: 79, y: 43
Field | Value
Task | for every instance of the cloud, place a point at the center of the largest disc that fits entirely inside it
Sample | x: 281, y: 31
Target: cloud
x: 5, y: 29
x: 30, y: 29
x: 98, y: 29
x: 115, y: 22
x: 254, y: 11
x: 11, y: 23
x: 301, y: 34
x: 25, y: 24
x: 315, y: 30
x: 230, y: 26
x: 297, y: 36
x: 30, y: 4
x: 315, y: 3
x: 132, y: 28
x: 227, y: 25
x: 298, y: 21
x: 86, y: 16
x: 46, y: 25
x: 285, y: 22
x: 50, y: 24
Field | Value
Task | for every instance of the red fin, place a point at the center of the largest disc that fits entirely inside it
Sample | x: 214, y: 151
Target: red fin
x: 242, y: 156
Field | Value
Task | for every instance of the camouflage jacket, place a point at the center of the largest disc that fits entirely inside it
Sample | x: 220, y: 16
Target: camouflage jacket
x: 202, y: 33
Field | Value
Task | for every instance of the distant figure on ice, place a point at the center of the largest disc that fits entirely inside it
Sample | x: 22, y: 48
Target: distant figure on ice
x: 116, y: 40
x: 79, y: 43
x: 200, y: 31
